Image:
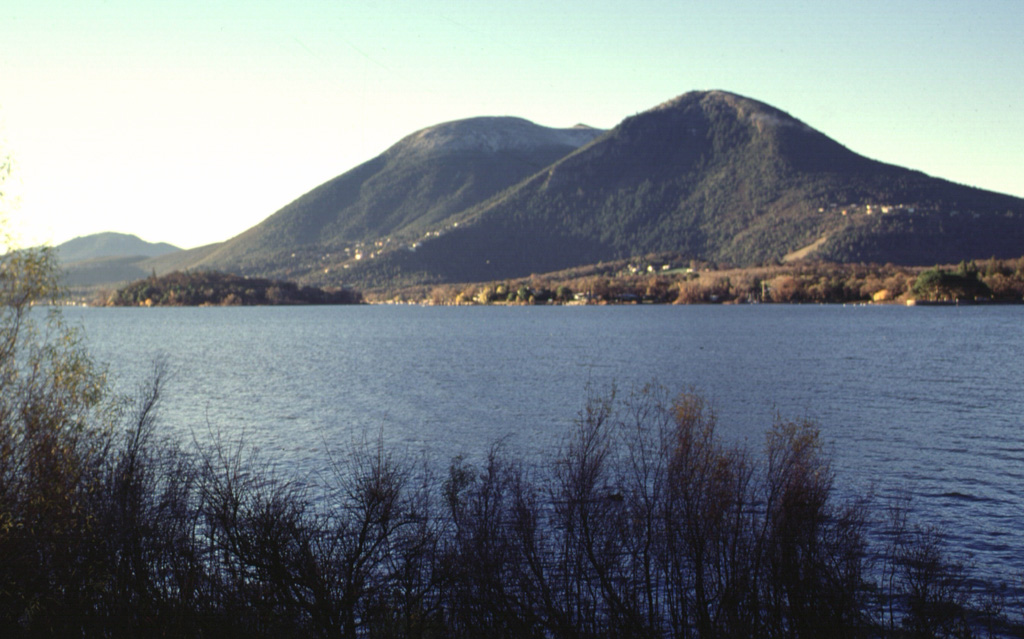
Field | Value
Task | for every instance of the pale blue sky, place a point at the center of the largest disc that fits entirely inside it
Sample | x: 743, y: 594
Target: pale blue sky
x: 189, y: 122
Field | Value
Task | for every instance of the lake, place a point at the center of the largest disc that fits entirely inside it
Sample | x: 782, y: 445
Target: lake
x: 925, y: 402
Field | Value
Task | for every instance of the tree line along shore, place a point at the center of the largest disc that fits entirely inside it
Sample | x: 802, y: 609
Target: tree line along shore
x: 660, y: 281
x: 646, y: 281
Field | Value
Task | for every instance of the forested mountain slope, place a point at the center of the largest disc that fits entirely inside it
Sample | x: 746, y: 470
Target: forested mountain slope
x: 714, y: 176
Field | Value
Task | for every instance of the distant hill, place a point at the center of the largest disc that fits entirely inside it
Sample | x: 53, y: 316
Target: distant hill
x: 103, y: 271
x: 107, y: 245
x: 107, y: 258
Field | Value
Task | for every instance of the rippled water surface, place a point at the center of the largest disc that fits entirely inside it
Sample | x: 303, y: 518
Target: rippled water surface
x: 924, y: 401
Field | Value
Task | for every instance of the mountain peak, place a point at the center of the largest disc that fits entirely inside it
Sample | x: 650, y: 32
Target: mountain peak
x: 745, y: 109
x: 490, y: 134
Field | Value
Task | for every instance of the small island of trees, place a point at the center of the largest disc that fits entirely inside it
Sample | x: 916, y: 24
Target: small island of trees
x: 212, y: 288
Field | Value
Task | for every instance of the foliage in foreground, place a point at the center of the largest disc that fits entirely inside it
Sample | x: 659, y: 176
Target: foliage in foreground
x: 644, y: 524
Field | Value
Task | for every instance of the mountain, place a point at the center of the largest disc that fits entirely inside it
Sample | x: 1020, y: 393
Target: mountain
x: 409, y: 190
x: 107, y: 258
x: 709, y: 175
x: 107, y: 245
x: 712, y: 176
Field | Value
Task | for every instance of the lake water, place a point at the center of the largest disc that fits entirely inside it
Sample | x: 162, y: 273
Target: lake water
x: 923, y: 401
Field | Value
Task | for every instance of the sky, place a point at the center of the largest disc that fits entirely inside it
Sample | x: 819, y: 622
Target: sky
x: 190, y: 121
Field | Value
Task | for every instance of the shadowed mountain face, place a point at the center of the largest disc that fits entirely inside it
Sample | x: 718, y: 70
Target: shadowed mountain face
x: 708, y: 175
